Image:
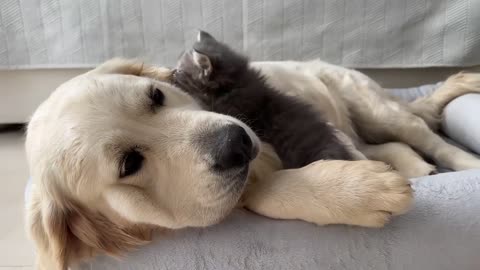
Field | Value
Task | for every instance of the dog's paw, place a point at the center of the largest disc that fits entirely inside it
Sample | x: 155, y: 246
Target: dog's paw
x: 464, y: 161
x: 419, y: 169
x: 364, y: 193
x: 465, y: 82
x: 371, y: 194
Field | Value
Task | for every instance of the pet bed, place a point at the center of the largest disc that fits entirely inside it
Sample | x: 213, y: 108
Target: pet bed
x: 441, y: 232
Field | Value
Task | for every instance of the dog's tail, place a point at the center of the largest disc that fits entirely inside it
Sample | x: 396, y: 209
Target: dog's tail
x: 430, y: 107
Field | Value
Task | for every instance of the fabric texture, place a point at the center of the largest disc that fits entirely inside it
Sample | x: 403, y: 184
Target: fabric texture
x: 373, y: 33
x: 442, y: 231
x: 461, y: 121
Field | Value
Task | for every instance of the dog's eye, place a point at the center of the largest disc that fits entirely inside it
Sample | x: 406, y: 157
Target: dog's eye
x: 157, y: 97
x: 131, y: 163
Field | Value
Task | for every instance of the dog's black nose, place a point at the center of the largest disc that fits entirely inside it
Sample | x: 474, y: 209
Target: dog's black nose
x: 233, y: 148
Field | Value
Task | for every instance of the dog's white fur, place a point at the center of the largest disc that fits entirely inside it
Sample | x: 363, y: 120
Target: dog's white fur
x: 79, y: 207
x: 361, y: 109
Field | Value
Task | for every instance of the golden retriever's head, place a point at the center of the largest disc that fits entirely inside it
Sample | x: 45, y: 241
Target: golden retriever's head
x: 114, y: 152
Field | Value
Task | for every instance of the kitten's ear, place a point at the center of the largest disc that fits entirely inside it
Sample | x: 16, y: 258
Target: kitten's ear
x: 204, y: 36
x: 203, y: 62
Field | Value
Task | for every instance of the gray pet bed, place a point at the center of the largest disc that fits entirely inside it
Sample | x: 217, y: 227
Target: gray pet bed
x: 441, y: 232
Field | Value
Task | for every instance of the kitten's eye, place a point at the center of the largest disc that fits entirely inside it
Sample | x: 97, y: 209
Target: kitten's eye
x: 157, y: 97
x: 131, y: 163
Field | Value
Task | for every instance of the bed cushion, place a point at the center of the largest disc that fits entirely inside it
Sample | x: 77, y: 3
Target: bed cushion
x: 441, y: 232
x: 461, y: 121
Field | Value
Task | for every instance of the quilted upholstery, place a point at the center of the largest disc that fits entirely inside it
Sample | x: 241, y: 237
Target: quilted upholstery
x: 373, y: 33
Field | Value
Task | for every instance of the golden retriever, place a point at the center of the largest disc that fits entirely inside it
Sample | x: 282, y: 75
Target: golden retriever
x: 118, y: 151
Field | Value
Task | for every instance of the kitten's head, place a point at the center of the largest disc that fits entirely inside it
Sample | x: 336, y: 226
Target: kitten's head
x: 210, y: 67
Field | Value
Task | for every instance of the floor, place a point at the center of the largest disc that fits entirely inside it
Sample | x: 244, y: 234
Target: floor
x: 16, y: 251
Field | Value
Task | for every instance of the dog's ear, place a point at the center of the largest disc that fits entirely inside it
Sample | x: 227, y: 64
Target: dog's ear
x: 47, y: 225
x: 132, y: 67
x: 136, y: 206
x: 64, y: 233
x: 100, y: 234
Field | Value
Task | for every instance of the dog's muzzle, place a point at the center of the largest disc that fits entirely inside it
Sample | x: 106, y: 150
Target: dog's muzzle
x: 233, y: 148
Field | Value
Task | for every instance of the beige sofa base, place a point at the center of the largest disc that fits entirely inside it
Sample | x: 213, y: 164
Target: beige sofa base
x: 21, y: 91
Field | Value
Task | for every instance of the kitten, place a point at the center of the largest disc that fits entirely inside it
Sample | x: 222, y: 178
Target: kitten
x: 222, y: 81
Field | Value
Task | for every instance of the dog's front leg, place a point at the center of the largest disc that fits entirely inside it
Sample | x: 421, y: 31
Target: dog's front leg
x: 365, y: 193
